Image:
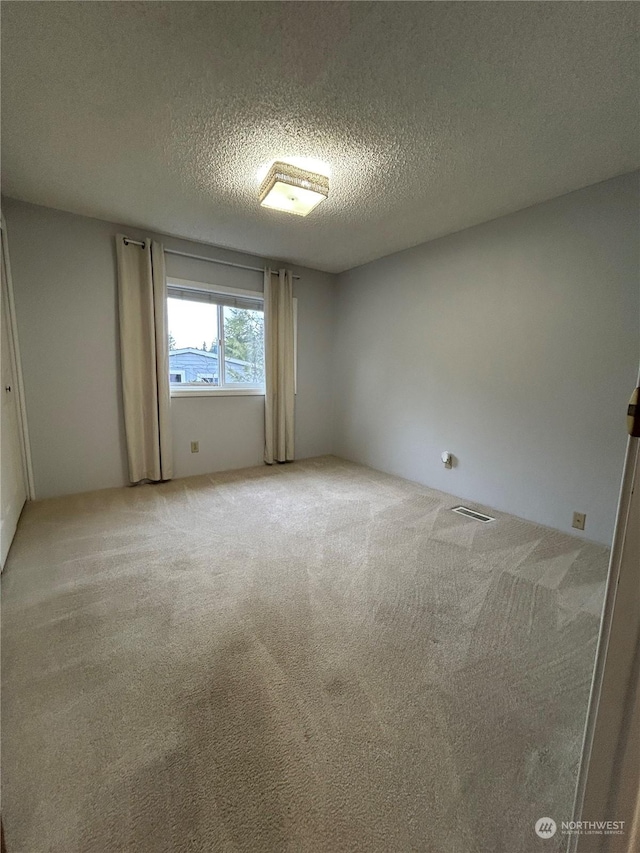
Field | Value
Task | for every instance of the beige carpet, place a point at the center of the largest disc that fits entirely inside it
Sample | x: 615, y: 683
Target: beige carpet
x: 311, y: 657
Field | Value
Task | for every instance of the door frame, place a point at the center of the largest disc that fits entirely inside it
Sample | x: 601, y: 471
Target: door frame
x: 613, y: 717
x: 16, y: 365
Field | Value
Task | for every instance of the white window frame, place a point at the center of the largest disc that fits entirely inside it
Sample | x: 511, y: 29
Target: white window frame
x: 230, y: 389
x: 181, y: 372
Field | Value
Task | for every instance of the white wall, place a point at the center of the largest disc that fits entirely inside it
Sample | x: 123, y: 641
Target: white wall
x: 514, y: 345
x: 64, y: 272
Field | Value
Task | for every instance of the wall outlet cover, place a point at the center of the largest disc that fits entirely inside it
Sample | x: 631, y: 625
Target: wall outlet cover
x: 579, y: 520
x: 195, y: 446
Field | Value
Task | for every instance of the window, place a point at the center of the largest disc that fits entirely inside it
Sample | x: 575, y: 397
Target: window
x: 216, y: 341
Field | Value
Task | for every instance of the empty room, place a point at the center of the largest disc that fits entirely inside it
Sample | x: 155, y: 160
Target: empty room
x: 320, y: 502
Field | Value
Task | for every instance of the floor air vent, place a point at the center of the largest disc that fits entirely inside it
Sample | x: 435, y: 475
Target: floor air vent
x: 471, y: 513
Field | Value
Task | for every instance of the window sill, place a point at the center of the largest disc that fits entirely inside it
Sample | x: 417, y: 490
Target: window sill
x: 217, y: 392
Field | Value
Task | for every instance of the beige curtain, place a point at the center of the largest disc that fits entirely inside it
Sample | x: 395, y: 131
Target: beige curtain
x: 144, y: 353
x: 279, y: 367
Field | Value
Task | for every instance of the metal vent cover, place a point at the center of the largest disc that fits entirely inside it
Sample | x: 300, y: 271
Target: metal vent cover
x: 471, y: 513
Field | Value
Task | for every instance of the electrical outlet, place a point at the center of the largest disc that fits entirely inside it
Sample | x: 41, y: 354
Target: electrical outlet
x: 579, y: 520
x: 195, y: 447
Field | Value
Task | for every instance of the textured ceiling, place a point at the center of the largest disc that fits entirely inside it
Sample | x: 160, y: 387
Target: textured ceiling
x: 432, y: 116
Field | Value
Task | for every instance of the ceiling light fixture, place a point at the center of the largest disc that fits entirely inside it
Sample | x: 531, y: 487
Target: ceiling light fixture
x: 292, y: 189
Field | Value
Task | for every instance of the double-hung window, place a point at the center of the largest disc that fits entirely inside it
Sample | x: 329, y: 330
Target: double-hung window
x: 216, y: 341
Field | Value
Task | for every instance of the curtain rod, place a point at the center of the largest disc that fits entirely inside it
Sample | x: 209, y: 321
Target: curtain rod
x: 202, y: 258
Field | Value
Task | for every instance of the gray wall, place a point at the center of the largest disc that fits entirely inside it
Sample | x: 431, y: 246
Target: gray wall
x: 514, y: 345
x: 64, y: 275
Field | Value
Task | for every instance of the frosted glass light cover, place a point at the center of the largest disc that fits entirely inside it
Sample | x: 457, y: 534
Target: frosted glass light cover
x: 293, y: 190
